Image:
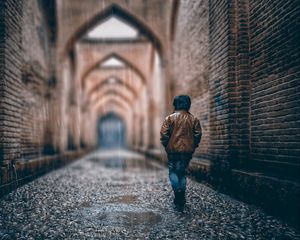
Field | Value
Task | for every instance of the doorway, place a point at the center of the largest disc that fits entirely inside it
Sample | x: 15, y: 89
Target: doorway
x: 111, y: 132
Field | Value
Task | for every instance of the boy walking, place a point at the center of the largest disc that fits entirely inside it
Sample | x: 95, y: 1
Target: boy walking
x: 180, y: 135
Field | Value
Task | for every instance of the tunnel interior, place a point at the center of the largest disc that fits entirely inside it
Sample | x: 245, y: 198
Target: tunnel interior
x: 111, y: 132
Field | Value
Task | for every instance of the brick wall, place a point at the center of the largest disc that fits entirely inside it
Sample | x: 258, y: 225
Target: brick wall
x: 35, y: 73
x: 26, y: 59
x: 254, y: 85
x: 25, y: 62
x: 2, y: 44
x: 10, y: 82
x: 190, y: 63
x: 254, y: 108
x: 275, y: 85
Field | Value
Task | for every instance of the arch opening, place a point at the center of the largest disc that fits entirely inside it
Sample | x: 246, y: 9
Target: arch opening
x: 112, y: 61
x: 112, y: 28
x: 112, y: 81
x: 114, y: 12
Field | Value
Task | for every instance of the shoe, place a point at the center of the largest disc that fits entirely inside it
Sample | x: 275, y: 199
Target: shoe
x: 179, y: 200
x: 181, y: 197
x: 176, y: 198
x: 179, y: 208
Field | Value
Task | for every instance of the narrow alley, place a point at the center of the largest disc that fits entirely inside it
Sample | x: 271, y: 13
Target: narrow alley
x: 121, y: 195
x: 85, y: 88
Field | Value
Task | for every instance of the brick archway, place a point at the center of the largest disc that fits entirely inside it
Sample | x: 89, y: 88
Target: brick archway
x: 114, y: 9
x: 112, y: 92
x: 106, y: 81
x: 128, y: 64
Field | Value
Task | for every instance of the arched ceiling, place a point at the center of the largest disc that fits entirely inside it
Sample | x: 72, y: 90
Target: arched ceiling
x: 72, y: 13
x: 136, y: 56
x: 110, y: 100
x: 114, y: 81
x: 113, y: 93
x: 97, y: 66
x: 127, y: 76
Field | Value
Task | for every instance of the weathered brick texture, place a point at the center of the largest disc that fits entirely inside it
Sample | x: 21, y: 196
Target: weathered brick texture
x: 26, y: 70
x: 11, y: 39
x: 35, y: 74
x: 275, y: 85
x: 254, y: 107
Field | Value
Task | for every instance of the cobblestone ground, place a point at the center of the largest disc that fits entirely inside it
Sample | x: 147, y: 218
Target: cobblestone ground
x: 120, y: 195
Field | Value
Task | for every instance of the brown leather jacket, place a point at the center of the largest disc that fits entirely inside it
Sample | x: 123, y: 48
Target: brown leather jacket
x: 180, y: 133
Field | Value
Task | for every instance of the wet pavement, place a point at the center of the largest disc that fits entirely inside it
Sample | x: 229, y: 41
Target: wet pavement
x: 122, y: 195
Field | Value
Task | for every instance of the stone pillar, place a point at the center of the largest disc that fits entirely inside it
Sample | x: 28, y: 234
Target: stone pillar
x: 146, y: 122
x: 157, y: 104
x: 59, y: 108
x: 74, y: 124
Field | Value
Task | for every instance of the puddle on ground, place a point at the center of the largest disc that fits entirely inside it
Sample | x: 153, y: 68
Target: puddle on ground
x: 130, y: 164
x: 129, y: 219
x: 85, y: 204
x: 117, y: 214
x: 77, y: 167
x: 127, y: 199
x: 121, y: 179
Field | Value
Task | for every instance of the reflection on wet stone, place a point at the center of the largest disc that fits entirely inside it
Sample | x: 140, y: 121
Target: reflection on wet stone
x: 122, y: 179
x: 85, y: 204
x: 127, y: 199
x: 114, y: 215
x: 117, y: 212
x: 130, y: 219
x: 130, y: 164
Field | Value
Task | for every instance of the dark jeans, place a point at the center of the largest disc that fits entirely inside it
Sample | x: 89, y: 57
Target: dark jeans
x: 178, y: 163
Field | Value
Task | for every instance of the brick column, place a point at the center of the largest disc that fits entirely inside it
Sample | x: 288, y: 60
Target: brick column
x: 239, y: 83
x: 229, y: 86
